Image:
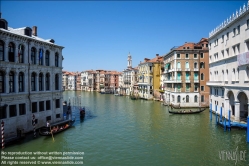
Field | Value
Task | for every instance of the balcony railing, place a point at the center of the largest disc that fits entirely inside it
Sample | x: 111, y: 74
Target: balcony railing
x: 187, y: 69
x: 196, y: 69
x: 187, y: 80
x: 178, y: 90
x: 179, y: 69
x: 196, y: 80
x: 178, y: 80
x: 187, y: 90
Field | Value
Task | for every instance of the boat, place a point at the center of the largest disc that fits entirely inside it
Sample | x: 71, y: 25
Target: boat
x: 186, y: 112
x: 56, y: 127
x: 82, y: 112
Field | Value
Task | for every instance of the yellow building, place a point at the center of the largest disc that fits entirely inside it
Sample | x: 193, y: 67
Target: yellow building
x: 149, y: 73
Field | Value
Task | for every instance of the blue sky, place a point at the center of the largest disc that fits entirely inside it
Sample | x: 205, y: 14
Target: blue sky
x: 100, y: 34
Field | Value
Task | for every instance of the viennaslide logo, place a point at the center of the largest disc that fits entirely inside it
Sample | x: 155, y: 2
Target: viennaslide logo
x: 236, y: 154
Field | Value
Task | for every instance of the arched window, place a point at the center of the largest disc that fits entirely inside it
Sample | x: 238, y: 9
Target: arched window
x: 21, y: 82
x: 195, y: 65
x: 178, y: 65
x: 47, y: 58
x: 33, y: 55
x: 20, y: 53
x: 11, y: 82
x: 56, y: 82
x: 187, y: 98
x: 41, y: 57
x: 11, y: 52
x: 40, y: 82
x: 202, y: 65
x: 56, y: 59
x: 178, y: 98
x: 196, y: 99
x: 187, y: 65
x: 2, y: 79
x: 33, y: 82
x: 202, y: 76
x: 1, y: 50
x: 47, y: 80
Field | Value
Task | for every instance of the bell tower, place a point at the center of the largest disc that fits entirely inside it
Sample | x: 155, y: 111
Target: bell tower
x: 129, y: 61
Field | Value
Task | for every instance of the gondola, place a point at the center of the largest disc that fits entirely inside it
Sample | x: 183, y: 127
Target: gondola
x: 82, y: 112
x: 56, y: 127
x: 187, y: 112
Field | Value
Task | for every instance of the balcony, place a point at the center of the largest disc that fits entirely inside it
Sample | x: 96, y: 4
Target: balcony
x: 178, y: 69
x: 178, y: 90
x: 178, y: 80
x: 196, y: 80
x: 187, y: 69
x: 187, y: 80
x: 196, y: 69
x: 215, y: 83
x: 187, y: 90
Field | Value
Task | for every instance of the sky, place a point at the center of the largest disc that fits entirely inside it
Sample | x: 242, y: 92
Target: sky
x: 100, y: 34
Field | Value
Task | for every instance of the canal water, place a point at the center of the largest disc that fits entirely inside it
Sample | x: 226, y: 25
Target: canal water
x: 118, y: 131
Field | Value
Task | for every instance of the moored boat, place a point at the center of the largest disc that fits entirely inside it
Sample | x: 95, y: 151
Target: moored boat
x: 186, y: 111
x: 82, y: 112
x: 56, y: 127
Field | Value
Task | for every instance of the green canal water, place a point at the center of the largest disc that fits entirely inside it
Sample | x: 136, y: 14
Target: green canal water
x: 118, y: 131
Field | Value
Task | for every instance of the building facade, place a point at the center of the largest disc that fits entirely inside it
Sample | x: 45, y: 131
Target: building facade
x: 229, y: 66
x: 30, y: 79
x: 186, y: 74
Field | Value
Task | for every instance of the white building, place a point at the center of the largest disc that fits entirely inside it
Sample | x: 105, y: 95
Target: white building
x: 72, y: 81
x: 84, y: 81
x: 229, y: 65
x: 30, y: 79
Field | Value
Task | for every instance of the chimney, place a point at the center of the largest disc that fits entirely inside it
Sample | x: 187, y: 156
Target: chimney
x: 34, y: 29
x: 157, y: 54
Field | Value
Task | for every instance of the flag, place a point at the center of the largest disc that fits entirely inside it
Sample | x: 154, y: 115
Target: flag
x: 41, y: 53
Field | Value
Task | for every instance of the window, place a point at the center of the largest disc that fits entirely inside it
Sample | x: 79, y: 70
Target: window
x: 56, y: 82
x: 21, y: 82
x: 40, y: 82
x: 33, y: 82
x: 196, y: 99
x: 234, y: 31
x: 202, y: 65
x: 238, y: 30
x: 195, y: 65
x: 47, y: 80
x: 187, y: 56
x: 11, y: 52
x: 3, y: 114
x: 202, y: 98
x: 2, y: 82
x: 57, y: 103
x: 227, y: 35
x: 187, y: 47
x: 196, y: 87
x: 48, y: 107
x: 12, y: 109
x: 202, y: 88
x: 20, y: 53
x: 222, y: 53
x: 222, y: 93
x: 34, y: 107
x: 1, y: 51
x: 247, y: 23
x: 206, y: 45
x: 227, y: 50
x: 41, y: 106
x: 47, y: 58
x: 58, y: 115
x: 202, y: 55
x: 222, y: 39
x: 202, y: 76
x: 56, y: 59
x: 48, y: 118
x: 187, y: 99
x: 22, y: 109
x: 33, y: 55
x: 11, y: 82
x: 186, y: 65
x: 178, y: 98
x: 41, y: 57
x: 195, y: 55
x: 178, y: 56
